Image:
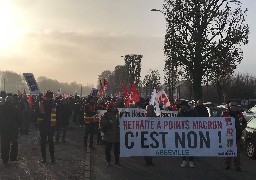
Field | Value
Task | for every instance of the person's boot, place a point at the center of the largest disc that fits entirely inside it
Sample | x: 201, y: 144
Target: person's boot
x: 238, y: 169
x: 57, y: 140
x: 91, y: 147
x: 52, y: 158
x: 5, y: 161
x: 85, y: 144
x: 108, y: 163
x: 150, y: 162
x: 146, y: 162
x: 117, y: 162
x: 227, y: 167
x: 43, y: 159
x: 13, y: 159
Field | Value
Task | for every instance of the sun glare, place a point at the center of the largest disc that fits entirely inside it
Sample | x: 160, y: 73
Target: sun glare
x: 9, y: 26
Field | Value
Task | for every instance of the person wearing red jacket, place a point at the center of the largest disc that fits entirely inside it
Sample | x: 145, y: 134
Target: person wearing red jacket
x: 89, y: 116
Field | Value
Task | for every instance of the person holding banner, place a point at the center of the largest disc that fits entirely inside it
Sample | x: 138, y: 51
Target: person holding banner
x: 240, y: 125
x: 186, y: 112
x: 111, y: 137
x: 149, y: 113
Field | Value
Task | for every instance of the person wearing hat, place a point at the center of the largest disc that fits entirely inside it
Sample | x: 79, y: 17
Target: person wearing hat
x: 111, y: 137
x: 9, y: 128
x: 240, y: 125
x: 184, y: 111
x: 200, y: 109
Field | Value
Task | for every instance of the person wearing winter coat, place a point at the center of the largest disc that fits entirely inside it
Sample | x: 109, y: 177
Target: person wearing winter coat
x: 149, y: 113
x: 240, y: 125
x: 111, y: 137
x: 63, y: 120
x: 184, y: 111
x: 9, y: 128
x: 201, y: 110
x: 46, y: 130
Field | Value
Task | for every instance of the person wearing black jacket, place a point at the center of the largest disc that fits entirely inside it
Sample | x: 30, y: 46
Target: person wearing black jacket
x: 63, y: 113
x: 149, y: 113
x: 184, y: 111
x: 201, y: 110
x: 9, y: 128
x: 45, y: 128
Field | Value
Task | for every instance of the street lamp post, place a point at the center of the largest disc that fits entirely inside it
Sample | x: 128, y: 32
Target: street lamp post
x: 157, y: 10
x: 171, y: 86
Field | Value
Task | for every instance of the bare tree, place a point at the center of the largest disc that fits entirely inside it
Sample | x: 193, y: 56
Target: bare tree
x: 120, y: 76
x: 151, y: 81
x: 133, y: 64
x: 104, y: 75
x: 204, y: 35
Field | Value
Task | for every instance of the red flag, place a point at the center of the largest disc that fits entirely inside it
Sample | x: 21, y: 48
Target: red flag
x: 134, y: 93
x: 30, y: 99
x: 101, y: 92
x: 125, y: 95
x: 128, y: 101
x: 106, y: 85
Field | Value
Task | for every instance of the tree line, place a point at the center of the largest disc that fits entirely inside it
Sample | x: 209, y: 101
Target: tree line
x: 203, y: 46
x: 13, y: 82
x: 235, y: 86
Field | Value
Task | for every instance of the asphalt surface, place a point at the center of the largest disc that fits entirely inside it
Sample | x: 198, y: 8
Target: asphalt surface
x: 72, y: 162
x: 167, y: 168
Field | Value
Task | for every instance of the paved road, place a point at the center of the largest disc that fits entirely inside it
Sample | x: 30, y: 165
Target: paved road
x: 168, y: 168
x: 72, y: 162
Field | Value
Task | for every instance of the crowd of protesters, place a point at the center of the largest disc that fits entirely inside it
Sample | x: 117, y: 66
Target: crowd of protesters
x: 51, y: 114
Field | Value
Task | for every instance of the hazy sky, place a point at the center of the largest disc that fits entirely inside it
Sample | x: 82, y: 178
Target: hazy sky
x: 75, y: 40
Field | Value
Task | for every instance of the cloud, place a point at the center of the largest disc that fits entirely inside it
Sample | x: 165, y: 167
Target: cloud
x: 24, y: 3
x: 81, y: 56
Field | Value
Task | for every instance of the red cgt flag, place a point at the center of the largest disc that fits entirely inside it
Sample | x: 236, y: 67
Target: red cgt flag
x: 134, y: 93
x: 125, y: 95
x: 106, y: 85
x: 101, y: 91
x: 30, y: 99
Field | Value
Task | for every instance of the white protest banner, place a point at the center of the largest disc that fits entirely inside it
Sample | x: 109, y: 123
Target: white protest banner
x: 177, y: 136
x: 168, y: 113
x: 131, y: 112
x: 138, y: 112
x: 31, y: 82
